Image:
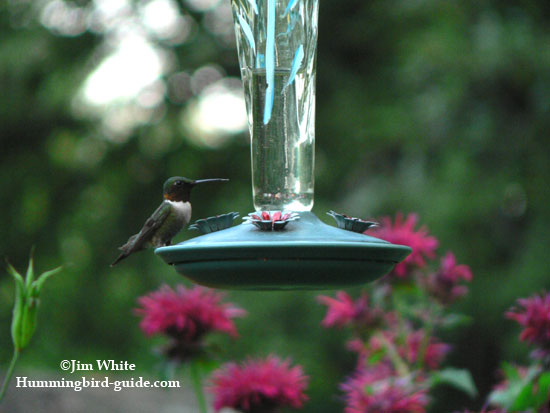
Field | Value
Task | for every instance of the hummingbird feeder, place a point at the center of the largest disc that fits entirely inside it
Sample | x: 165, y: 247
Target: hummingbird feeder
x: 283, y: 245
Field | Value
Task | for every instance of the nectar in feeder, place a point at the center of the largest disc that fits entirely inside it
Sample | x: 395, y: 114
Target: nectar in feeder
x: 277, y: 43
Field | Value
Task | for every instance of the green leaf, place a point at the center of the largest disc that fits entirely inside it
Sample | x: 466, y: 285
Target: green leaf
x: 531, y: 395
x: 504, y: 398
x: 29, y: 317
x: 405, y: 294
x: 524, y: 399
x: 368, y: 389
x: 543, y: 393
x: 43, y: 277
x: 18, y: 307
x: 511, y: 372
x: 455, y: 320
x: 458, y: 378
x: 15, y: 274
x: 519, y: 390
x: 28, y: 323
x: 208, y: 364
x: 375, y: 357
x: 30, y: 270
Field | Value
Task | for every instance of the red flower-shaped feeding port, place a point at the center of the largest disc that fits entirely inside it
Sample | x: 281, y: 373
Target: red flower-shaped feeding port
x: 271, y: 221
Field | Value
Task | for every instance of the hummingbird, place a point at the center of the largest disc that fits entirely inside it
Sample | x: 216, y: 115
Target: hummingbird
x: 172, y: 215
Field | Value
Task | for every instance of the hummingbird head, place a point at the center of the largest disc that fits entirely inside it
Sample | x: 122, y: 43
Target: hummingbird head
x: 178, y: 188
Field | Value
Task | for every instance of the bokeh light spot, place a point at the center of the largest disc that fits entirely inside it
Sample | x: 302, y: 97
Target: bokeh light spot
x: 217, y: 113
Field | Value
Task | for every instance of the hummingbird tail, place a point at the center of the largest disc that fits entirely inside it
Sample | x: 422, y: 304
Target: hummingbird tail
x: 128, y: 249
x: 120, y: 258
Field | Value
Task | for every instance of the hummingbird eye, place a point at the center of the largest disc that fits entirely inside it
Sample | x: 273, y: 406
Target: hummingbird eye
x: 179, y: 183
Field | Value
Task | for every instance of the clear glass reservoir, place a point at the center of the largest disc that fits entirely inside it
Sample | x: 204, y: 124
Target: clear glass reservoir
x: 277, y: 42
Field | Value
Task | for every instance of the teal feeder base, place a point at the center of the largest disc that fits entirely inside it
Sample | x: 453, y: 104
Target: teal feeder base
x: 306, y: 255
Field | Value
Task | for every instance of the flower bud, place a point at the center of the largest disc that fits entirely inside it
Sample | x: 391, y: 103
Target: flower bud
x: 25, y: 309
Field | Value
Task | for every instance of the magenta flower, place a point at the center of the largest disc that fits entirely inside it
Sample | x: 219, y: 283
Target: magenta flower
x: 403, y: 232
x: 259, y: 386
x: 534, y: 316
x: 186, y: 315
x: 370, y: 374
x: 372, y: 391
x: 434, y: 350
x: 444, y: 284
x: 342, y: 311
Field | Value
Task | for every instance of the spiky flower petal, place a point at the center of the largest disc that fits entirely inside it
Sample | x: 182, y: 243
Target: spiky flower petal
x: 343, y: 310
x: 372, y: 390
x: 186, y: 315
x: 403, y: 232
x: 259, y: 386
x: 534, y: 315
x: 444, y: 284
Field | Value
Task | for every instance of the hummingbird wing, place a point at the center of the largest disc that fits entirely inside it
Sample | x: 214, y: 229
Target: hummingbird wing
x: 139, y: 241
x: 151, y: 226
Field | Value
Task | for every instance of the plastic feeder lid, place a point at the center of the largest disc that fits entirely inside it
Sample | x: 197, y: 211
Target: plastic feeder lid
x: 306, y: 255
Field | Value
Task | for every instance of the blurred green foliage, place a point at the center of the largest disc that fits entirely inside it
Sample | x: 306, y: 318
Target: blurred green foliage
x: 437, y: 107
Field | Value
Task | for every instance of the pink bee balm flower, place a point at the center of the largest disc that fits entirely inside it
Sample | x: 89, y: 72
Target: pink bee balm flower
x: 372, y: 392
x: 342, y: 311
x: 534, y: 316
x: 434, y: 350
x: 369, y: 375
x: 444, y: 284
x: 259, y: 386
x: 402, y: 232
x: 186, y: 315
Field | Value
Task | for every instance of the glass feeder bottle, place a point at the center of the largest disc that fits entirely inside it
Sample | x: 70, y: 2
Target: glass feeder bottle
x: 277, y: 42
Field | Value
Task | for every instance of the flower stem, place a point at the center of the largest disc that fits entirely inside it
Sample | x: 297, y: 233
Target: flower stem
x: 394, y: 356
x: 424, y: 345
x: 11, y: 368
x: 428, y: 330
x: 195, y: 369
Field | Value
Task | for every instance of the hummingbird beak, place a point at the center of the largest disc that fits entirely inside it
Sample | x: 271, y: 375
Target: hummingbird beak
x: 200, y: 181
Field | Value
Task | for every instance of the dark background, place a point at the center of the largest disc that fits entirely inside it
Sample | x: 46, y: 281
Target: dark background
x: 435, y: 107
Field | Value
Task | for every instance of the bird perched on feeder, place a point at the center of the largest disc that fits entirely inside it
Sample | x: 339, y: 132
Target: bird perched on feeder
x: 169, y: 218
